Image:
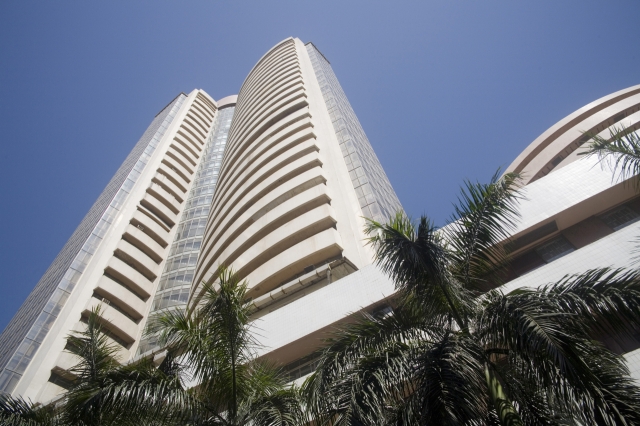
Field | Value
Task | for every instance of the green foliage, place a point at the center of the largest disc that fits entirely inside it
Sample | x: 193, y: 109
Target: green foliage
x: 217, y: 343
x: 456, y: 352
x: 105, y: 392
x: 218, y: 348
x: 620, y: 152
x: 18, y: 412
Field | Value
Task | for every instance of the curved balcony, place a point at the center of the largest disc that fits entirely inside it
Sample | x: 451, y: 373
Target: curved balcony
x: 168, y: 185
x: 152, y: 203
x: 126, y: 300
x: 179, y: 158
x: 130, y: 277
x: 289, y: 263
x: 184, y: 174
x: 188, y: 140
x: 144, y: 242
x: 174, y: 177
x: 159, y: 233
x: 132, y: 255
x: 193, y: 151
x: 114, y: 321
x: 165, y: 197
x: 216, y: 241
x: 185, y: 153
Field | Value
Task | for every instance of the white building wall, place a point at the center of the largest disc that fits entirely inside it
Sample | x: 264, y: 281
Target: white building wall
x: 34, y: 383
x: 297, y: 328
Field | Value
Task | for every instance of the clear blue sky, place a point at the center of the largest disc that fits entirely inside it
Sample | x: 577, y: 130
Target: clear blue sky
x: 445, y: 90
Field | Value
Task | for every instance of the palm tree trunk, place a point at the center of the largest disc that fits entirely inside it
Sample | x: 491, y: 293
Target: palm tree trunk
x: 462, y: 324
x: 233, y: 388
x: 506, y: 412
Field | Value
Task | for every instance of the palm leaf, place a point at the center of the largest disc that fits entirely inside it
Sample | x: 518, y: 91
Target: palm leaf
x: 414, y: 256
x: 364, y: 369
x: 483, y: 219
x: 216, y: 341
x: 621, y: 152
x: 18, y: 412
x: 450, y: 382
x: 606, y: 300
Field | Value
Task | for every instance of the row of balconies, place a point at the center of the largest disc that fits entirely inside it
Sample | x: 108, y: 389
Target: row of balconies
x: 125, y: 289
x: 271, y: 215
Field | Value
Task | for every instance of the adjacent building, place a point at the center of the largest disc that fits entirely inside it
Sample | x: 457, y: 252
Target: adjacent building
x: 276, y: 182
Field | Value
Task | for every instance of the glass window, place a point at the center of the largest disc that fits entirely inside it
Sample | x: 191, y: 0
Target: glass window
x: 555, y: 249
x: 8, y: 381
x: 41, y: 327
x: 620, y: 217
x: 56, y: 302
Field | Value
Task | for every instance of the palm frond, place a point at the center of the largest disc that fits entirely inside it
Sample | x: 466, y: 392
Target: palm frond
x: 92, y: 346
x: 606, y: 301
x: 18, y: 412
x: 482, y: 221
x: 411, y: 254
x: 97, y: 357
x: 620, y: 152
x: 217, y: 344
x: 549, y: 342
x: 450, y: 382
x: 414, y: 256
x: 138, y: 399
x: 279, y: 407
x: 535, y: 404
x: 365, y: 335
x: 528, y: 325
x: 614, y: 398
x: 364, y: 369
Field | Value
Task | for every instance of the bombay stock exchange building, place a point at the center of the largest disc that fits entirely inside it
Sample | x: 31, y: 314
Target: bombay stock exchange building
x: 276, y: 182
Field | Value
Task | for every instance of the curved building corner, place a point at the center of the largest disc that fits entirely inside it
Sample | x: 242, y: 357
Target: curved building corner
x: 577, y: 215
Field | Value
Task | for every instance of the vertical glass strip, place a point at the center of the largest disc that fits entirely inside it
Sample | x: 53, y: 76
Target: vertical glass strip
x: 376, y: 196
x: 175, y: 281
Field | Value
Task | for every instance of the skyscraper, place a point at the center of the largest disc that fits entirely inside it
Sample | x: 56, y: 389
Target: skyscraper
x: 274, y: 182
x: 298, y: 176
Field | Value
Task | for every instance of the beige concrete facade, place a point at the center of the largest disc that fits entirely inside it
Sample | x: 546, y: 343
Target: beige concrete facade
x: 123, y: 272
x: 559, y: 145
x: 284, y: 205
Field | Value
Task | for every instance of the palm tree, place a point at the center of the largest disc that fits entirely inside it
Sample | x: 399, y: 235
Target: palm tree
x: 217, y: 343
x: 104, y: 391
x: 216, y: 349
x: 454, y: 351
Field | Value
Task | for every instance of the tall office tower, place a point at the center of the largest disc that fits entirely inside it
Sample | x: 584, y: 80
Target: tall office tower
x: 282, y: 202
x: 116, y: 255
x: 298, y: 177
x: 276, y: 183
